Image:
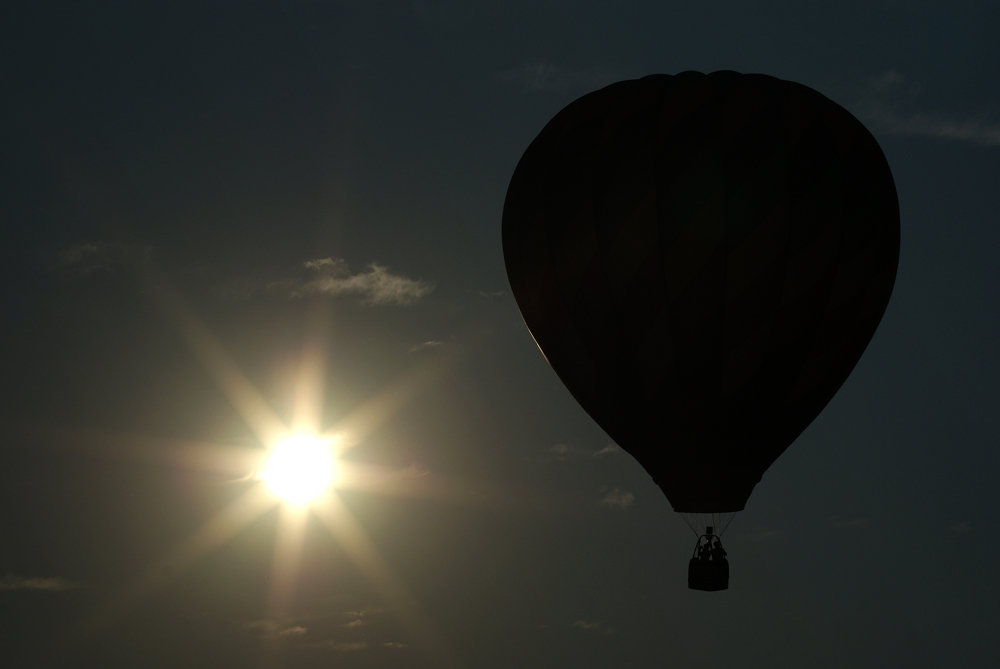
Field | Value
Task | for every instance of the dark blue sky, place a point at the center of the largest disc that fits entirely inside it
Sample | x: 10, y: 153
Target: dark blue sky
x: 200, y: 154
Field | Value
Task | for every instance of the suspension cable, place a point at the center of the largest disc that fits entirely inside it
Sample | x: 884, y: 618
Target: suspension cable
x: 688, y: 523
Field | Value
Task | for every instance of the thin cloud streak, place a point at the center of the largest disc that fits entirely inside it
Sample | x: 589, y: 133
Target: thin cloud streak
x: 889, y: 101
x: 45, y: 584
x: 89, y: 257
x: 543, y: 76
x: 976, y: 130
x: 853, y: 523
x: 341, y: 646
x: 425, y: 345
x: 599, y: 628
x: 764, y: 535
x: 565, y: 452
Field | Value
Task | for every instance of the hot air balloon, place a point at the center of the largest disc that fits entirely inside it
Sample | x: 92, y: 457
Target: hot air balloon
x: 702, y: 259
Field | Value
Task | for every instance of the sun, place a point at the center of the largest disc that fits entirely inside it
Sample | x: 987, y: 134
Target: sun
x: 299, y: 469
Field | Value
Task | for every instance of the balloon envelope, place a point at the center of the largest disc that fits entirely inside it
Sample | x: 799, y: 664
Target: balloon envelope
x: 702, y: 259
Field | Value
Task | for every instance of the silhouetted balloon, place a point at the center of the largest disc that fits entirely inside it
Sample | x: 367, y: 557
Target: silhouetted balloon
x: 702, y: 259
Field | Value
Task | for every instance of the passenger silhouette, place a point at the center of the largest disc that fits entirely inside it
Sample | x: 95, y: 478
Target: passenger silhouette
x: 704, y: 551
x: 718, y: 552
x: 708, y: 568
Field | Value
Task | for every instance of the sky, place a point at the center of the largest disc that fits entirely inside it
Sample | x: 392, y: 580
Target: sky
x: 217, y: 214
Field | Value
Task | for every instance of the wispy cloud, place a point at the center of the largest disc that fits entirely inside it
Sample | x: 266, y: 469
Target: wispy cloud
x: 373, y: 610
x: 374, y: 286
x: 88, y: 257
x: 854, y: 523
x: 273, y: 630
x: 377, y: 286
x: 425, y: 345
x: 341, y: 646
x: 764, y: 535
x: 565, y: 453
x: 47, y: 584
x: 623, y: 499
x: 961, y: 528
x: 977, y: 130
x: 892, y: 102
x: 327, y: 628
x: 544, y: 76
x: 593, y: 627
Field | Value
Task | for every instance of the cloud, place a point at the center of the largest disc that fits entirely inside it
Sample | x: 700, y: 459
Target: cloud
x: 89, y: 257
x: 891, y: 100
x: 593, y: 627
x: 425, y: 345
x: 341, y: 646
x: 377, y: 286
x: 857, y: 522
x: 272, y: 630
x: 326, y: 629
x: 296, y: 630
x: 47, y: 584
x: 372, y: 610
x: 623, y: 499
x: 764, y: 535
x: 976, y: 130
x: 565, y: 452
x: 961, y: 528
x: 542, y: 76
x: 393, y: 644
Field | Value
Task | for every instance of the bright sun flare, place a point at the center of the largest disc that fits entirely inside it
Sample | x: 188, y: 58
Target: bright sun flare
x: 299, y: 469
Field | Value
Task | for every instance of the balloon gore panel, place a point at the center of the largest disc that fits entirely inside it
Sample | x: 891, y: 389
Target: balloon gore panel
x: 702, y: 259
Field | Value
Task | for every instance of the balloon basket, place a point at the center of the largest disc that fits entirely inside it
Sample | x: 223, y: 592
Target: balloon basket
x: 708, y: 569
x: 708, y: 576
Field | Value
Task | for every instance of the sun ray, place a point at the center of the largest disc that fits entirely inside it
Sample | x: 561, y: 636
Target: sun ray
x: 367, y: 558
x: 307, y: 408
x: 225, y: 460
x: 219, y: 529
x: 365, y: 419
x: 289, y: 541
x: 415, y: 483
x: 285, y: 568
x: 242, y: 395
